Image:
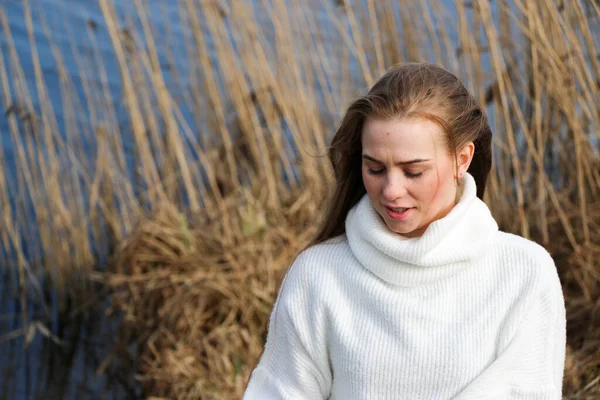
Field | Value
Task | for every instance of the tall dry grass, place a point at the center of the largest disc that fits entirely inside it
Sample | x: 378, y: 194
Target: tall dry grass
x: 201, y: 219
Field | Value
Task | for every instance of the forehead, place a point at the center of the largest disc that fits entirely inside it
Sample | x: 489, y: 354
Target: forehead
x: 405, y: 137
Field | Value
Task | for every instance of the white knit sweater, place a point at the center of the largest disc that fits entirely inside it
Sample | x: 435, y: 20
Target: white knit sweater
x: 463, y: 312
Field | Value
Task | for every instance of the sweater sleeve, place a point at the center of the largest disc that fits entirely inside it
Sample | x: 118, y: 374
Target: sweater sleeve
x: 541, y: 338
x: 530, y: 363
x: 294, y: 364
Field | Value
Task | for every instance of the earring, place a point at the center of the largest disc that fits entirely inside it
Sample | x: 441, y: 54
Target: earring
x: 457, y: 179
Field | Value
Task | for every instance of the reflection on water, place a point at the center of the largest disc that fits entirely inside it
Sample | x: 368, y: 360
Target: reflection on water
x: 59, y: 357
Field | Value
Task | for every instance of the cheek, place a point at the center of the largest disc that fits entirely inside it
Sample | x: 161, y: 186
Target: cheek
x: 369, y: 182
x: 434, y: 189
x: 439, y: 187
x: 373, y: 186
x: 430, y: 190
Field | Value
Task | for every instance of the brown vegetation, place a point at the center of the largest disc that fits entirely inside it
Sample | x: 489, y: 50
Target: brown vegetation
x: 201, y: 234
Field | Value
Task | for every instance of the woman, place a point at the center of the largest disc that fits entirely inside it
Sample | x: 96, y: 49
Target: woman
x: 410, y: 291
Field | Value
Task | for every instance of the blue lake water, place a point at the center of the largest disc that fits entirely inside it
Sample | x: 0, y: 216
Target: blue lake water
x: 47, y: 369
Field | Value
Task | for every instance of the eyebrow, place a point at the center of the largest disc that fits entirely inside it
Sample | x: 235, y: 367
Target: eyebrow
x: 415, y: 161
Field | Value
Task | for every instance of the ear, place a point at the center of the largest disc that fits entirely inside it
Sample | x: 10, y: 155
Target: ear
x: 464, y: 158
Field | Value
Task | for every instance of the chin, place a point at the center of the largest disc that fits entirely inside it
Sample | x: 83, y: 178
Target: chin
x: 405, y: 232
x: 401, y: 228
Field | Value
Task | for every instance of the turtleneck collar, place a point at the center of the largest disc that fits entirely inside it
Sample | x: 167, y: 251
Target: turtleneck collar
x: 447, y: 246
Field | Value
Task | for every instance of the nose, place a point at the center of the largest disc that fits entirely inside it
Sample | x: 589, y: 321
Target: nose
x: 394, y: 187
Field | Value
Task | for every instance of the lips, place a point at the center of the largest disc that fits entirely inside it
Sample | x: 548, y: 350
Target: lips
x: 398, y: 213
x: 398, y: 209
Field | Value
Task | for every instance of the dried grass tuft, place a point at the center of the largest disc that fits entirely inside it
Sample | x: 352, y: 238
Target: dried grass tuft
x: 198, y: 306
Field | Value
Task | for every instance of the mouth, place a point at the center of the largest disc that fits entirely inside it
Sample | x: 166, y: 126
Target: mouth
x: 398, y: 209
x: 398, y: 213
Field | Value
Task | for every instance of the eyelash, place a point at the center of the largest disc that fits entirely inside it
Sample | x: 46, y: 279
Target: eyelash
x: 408, y: 174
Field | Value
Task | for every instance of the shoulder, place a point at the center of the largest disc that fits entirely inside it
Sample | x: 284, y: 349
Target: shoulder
x: 324, y: 252
x: 317, y: 265
x: 308, y: 282
x: 523, y: 247
x: 528, y: 258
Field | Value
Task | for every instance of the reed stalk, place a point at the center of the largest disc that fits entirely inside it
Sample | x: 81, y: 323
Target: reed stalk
x: 191, y: 221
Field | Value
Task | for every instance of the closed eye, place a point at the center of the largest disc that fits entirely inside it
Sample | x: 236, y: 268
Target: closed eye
x: 413, y: 176
x: 375, y: 171
x: 409, y: 175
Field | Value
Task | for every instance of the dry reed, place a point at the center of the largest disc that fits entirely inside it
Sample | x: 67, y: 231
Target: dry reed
x: 202, y: 230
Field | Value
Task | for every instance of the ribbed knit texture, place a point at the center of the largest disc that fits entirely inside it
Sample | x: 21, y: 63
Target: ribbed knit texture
x: 463, y: 312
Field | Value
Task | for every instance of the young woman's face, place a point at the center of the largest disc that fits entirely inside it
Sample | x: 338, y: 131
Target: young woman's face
x: 409, y: 173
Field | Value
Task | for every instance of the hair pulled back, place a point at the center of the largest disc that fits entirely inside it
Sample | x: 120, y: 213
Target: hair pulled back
x: 409, y: 90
